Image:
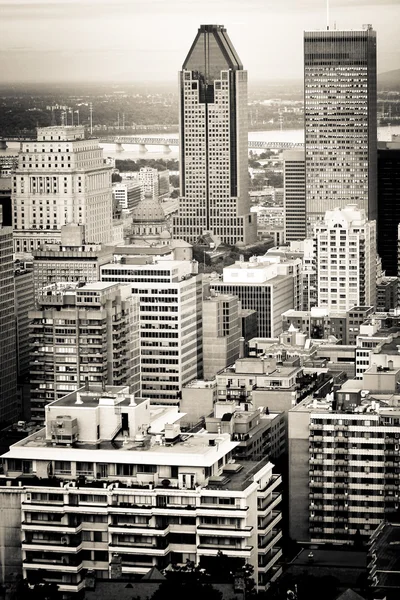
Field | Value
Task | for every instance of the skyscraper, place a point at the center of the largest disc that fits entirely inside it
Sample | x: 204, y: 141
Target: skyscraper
x: 61, y: 178
x: 340, y: 121
x: 8, y: 351
x: 213, y: 142
x: 345, y: 251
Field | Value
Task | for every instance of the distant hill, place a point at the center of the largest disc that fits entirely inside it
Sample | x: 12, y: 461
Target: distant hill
x: 389, y: 81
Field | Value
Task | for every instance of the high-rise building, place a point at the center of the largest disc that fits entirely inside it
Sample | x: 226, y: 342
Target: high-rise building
x: 171, y: 295
x: 8, y: 348
x: 343, y: 460
x: 79, y: 334
x: 61, y: 178
x: 221, y: 333
x: 72, y: 259
x: 388, y: 203
x: 345, y: 244
x: 340, y: 121
x: 294, y: 195
x: 269, y: 286
x: 108, y: 476
x: 213, y: 142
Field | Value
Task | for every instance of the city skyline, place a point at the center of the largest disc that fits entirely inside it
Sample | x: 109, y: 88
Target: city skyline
x: 129, y: 41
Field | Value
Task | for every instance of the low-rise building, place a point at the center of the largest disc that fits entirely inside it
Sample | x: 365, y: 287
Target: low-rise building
x: 107, y: 477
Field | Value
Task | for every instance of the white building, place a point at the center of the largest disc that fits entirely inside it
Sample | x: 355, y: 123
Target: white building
x: 111, y: 476
x: 170, y: 294
x: 345, y: 253
x: 61, y: 178
x: 268, y: 284
x: 127, y: 194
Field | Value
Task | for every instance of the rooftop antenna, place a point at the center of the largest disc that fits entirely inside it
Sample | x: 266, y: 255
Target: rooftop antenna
x: 91, y: 117
x: 327, y: 15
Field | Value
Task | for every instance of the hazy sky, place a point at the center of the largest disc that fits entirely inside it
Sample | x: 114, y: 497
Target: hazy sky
x: 147, y: 40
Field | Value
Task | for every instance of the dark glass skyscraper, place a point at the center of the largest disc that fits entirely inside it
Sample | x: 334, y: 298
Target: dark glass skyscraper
x: 340, y: 121
x: 213, y: 142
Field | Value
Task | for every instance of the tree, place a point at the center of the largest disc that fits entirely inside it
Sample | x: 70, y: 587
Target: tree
x: 195, y: 590
x: 116, y: 178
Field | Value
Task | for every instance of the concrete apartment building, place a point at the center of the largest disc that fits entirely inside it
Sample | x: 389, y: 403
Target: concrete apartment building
x: 268, y: 285
x: 343, y: 460
x: 79, y: 334
x: 24, y: 302
x: 388, y: 218
x: 221, y: 333
x: 72, y: 260
x: 61, y: 178
x: 213, y: 153
x: 170, y: 295
x: 340, y: 121
x: 345, y: 243
x: 111, y: 476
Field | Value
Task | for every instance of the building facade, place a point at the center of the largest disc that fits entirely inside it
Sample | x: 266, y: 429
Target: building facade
x: 345, y: 245
x: 78, y: 334
x: 125, y: 481
x: 221, y: 333
x: 269, y: 287
x: 61, y: 178
x: 343, y: 462
x: 170, y: 294
x: 340, y: 119
x: 8, y: 346
x: 388, y: 203
x: 72, y: 260
x: 127, y: 195
x: 213, y: 142
x: 294, y: 178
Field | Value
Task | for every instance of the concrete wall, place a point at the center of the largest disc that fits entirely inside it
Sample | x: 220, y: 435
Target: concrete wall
x: 10, y: 533
x: 298, y: 426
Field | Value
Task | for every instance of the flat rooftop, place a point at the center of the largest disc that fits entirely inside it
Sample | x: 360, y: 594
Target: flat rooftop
x: 333, y: 558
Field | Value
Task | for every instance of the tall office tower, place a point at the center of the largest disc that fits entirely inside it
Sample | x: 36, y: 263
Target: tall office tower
x: 388, y: 203
x: 343, y: 460
x: 125, y: 481
x: 61, y: 178
x: 8, y: 350
x: 340, y: 121
x: 70, y: 260
x: 221, y: 333
x: 268, y: 286
x: 80, y: 334
x: 171, y: 295
x: 294, y: 195
x: 213, y: 142
x: 346, y: 259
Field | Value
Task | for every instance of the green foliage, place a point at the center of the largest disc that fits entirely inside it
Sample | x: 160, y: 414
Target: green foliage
x: 195, y: 590
x: 155, y: 163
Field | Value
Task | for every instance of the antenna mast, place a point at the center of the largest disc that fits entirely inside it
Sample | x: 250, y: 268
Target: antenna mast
x: 327, y: 15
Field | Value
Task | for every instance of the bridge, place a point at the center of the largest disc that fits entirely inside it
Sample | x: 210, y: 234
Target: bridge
x: 143, y: 142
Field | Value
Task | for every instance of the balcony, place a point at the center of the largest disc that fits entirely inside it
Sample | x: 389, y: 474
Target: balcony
x: 276, y: 555
x: 230, y: 551
x: 129, y: 548
x: 240, y: 532
x: 269, y: 545
x: 263, y: 510
x: 271, y: 523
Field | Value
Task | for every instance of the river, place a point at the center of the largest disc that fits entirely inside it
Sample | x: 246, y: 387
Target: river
x: 273, y: 135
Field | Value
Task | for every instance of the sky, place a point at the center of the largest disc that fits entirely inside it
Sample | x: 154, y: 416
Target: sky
x: 147, y: 40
